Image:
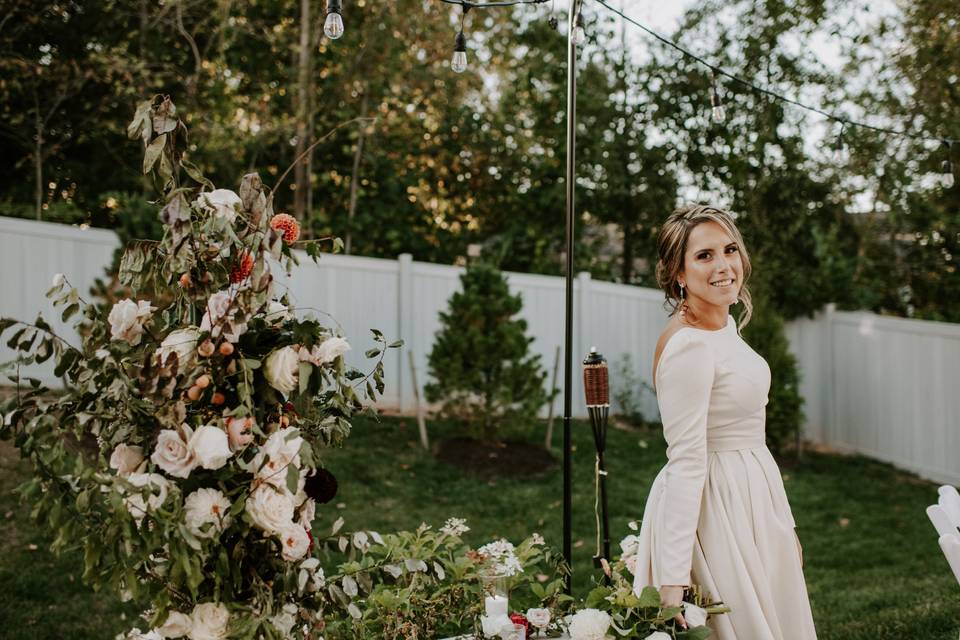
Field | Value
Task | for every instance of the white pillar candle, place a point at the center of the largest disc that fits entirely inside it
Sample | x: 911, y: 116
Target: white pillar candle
x: 495, y: 606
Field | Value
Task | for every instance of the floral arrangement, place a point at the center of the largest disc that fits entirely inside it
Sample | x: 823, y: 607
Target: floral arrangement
x: 185, y: 459
x: 184, y: 456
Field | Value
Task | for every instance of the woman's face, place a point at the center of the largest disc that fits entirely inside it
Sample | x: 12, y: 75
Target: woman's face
x: 712, y: 270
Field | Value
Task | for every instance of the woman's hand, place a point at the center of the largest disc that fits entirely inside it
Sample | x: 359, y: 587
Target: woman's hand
x: 672, y: 596
x: 799, y: 548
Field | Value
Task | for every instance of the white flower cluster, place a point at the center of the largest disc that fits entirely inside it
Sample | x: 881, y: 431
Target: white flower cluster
x: 454, y: 527
x: 590, y: 624
x: 629, y: 547
x: 208, y: 621
x: 271, y: 505
x: 502, y: 559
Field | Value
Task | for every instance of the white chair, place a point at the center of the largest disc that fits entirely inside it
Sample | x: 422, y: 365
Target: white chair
x: 945, y: 516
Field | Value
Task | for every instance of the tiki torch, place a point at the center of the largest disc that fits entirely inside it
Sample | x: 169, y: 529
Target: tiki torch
x: 596, y: 384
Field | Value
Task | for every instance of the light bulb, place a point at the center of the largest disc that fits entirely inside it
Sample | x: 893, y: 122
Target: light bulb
x: 333, y: 26
x: 579, y: 35
x: 719, y: 113
x: 459, y: 61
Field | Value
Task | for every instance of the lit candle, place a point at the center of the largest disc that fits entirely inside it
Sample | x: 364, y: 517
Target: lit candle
x: 495, y: 606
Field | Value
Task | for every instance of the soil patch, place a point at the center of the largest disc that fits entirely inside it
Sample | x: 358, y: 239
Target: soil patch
x: 488, y: 459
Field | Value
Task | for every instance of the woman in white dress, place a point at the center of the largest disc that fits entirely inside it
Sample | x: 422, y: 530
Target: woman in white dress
x: 717, y: 514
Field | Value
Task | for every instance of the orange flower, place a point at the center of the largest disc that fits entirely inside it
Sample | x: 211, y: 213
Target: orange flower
x: 287, y: 225
x: 242, y: 269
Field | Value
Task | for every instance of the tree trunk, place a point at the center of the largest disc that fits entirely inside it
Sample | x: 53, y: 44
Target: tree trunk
x: 355, y: 176
x: 301, y: 173
x: 627, y: 253
x: 38, y: 167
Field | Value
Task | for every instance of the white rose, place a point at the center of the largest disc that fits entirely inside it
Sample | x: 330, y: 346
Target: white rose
x: 177, y: 625
x: 277, y: 313
x: 278, y: 453
x: 306, y: 513
x: 209, y: 622
x: 281, y: 369
x: 271, y: 510
x: 136, y: 634
x: 295, y: 542
x: 492, y: 625
x: 126, y: 459
x: 182, y: 342
x: 284, y: 621
x: 173, y: 453
x: 590, y: 624
x: 158, y: 486
x: 658, y: 635
x: 327, y: 351
x: 239, y: 432
x: 209, y: 445
x: 127, y: 319
x: 221, y: 202
x: 539, y: 618
x: 221, y: 312
x: 694, y: 615
x: 207, y: 513
x: 629, y: 546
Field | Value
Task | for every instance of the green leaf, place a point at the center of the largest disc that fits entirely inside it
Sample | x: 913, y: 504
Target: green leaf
x: 293, y: 479
x: 650, y: 597
x: 372, y: 353
x: 153, y: 152
x: 194, y: 172
x: 395, y: 345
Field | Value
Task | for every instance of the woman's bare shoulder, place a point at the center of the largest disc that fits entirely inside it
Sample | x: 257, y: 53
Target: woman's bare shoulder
x: 673, y: 325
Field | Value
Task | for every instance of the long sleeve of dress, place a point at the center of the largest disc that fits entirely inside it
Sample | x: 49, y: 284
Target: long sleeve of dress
x: 685, y: 378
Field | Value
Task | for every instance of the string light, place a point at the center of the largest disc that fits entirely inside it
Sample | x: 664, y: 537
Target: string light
x: 459, y: 61
x: 946, y: 167
x: 579, y: 35
x: 716, y: 106
x: 333, y: 25
x: 768, y: 92
x: 839, y: 146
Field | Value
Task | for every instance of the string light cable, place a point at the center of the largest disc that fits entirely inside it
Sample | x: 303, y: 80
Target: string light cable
x: 717, y: 71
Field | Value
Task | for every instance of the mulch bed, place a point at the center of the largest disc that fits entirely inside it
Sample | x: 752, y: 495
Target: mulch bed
x: 487, y: 459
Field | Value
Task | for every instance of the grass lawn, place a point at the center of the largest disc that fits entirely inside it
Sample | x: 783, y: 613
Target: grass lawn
x: 873, y: 567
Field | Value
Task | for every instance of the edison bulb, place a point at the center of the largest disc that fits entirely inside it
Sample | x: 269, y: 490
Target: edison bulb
x: 459, y: 61
x: 333, y: 26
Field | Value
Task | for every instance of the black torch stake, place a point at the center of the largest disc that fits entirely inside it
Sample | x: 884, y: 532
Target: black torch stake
x: 596, y: 384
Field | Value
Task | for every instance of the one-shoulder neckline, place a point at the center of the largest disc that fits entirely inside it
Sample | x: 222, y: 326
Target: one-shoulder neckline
x: 663, y: 352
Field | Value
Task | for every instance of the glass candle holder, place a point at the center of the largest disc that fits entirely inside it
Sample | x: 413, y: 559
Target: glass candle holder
x: 495, y: 595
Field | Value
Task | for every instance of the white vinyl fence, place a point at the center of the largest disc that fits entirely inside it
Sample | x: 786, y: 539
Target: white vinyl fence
x: 877, y: 385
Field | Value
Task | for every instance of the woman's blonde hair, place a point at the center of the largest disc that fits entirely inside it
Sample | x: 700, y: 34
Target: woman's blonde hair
x: 672, y: 247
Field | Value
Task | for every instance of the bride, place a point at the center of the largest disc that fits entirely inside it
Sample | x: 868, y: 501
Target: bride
x: 717, y: 514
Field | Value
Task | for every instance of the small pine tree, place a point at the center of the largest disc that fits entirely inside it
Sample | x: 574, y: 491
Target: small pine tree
x: 480, y: 365
x: 765, y: 333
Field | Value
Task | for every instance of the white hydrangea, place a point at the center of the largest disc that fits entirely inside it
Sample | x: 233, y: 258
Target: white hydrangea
x: 590, y: 624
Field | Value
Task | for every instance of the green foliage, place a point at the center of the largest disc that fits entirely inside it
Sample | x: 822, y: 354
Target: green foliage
x: 784, y: 412
x: 480, y: 363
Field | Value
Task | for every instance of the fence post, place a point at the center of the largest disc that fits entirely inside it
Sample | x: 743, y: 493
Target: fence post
x: 405, y: 321
x: 830, y: 428
x: 582, y: 336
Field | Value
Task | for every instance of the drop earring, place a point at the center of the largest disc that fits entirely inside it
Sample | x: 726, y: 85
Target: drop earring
x: 683, y: 303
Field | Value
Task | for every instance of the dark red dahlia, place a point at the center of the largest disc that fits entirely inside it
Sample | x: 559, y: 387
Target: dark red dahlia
x: 321, y: 486
x: 242, y: 269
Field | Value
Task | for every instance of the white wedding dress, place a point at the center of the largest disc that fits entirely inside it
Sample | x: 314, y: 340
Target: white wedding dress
x: 717, y: 514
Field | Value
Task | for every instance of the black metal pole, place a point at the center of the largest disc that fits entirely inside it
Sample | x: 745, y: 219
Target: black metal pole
x: 568, y: 320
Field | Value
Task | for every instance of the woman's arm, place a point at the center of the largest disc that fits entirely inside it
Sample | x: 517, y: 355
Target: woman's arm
x: 685, y: 382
